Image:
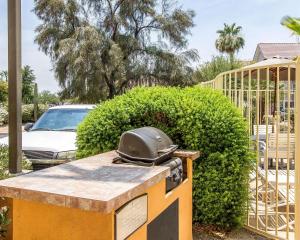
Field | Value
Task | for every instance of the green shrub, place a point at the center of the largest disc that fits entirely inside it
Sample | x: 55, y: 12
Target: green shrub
x: 4, y: 162
x: 4, y: 221
x: 3, y: 91
x: 42, y: 108
x: 195, y: 118
x: 28, y: 112
x: 3, y: 115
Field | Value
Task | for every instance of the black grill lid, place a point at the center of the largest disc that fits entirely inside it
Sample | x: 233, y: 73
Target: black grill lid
x: 147, y: 144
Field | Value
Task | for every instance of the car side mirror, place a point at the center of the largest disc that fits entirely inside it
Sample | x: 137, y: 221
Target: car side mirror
x: 28, y: 126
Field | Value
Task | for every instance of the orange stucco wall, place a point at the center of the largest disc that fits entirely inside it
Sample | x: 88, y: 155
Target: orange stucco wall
x: 158, y: 201
x: 35, y: 221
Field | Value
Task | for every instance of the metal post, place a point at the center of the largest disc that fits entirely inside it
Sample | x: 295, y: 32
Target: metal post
x: 288, y: 155
x: 277, y: 90
x: 14, y: 86
x: 35, y: 102
x: 257, y: 144
x: 266, y: 157
x: 242, y: 93
x: 297, y: 152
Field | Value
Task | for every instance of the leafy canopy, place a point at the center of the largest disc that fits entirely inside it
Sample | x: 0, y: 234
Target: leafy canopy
x: 3, y: 87
x: 28, y: 81
x: 100, y: 48
x: 3, y: 91
x: 218, y: 64
x: 4, y: 76
x: 292, y: 23
x: 230, y: 40
x: 47, y: 97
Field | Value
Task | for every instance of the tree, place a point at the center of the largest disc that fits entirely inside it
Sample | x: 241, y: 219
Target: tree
x: 101, y: 48
x: 46, y: 97
x: 3, y: 87
x: 28, y: 81
x: 3, y: 91
x: 292, y: 23
x: 230, y: 40
x: 218, y: 64
x: 4, y: 76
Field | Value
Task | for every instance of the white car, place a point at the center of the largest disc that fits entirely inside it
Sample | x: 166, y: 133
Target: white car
x: 52, y: 139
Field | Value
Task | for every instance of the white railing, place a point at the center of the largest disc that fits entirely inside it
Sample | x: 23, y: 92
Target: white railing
x: 268, y: 96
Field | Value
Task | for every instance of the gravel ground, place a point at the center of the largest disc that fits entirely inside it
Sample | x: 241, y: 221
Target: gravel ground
x: 203, y: 233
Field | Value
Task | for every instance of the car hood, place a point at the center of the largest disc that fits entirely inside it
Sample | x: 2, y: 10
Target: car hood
x: 55, y: 141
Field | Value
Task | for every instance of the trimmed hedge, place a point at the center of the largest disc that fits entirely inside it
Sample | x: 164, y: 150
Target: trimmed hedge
x: 3, y: 115
x: 196, y: 119
x: 28, y: 112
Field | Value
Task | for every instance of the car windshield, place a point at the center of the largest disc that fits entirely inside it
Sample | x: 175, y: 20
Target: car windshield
x: 60, y: 120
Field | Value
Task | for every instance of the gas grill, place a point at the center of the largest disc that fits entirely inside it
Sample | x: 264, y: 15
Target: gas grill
x: 31, y: 154
x: 150, y: 146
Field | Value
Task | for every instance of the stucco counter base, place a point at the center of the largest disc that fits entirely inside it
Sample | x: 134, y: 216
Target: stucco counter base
x: 78, y: 200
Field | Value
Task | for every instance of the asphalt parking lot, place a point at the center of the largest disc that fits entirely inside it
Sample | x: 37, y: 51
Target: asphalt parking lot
x: 2, y: 135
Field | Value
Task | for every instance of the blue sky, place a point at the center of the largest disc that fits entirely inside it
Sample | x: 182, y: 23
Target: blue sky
x: 260, y: 20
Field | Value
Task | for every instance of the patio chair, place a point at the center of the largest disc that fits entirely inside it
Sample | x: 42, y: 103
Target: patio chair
x: 282, y: 222
x: 278, y: 148
x: 270, y: 198
x: 262, y: 129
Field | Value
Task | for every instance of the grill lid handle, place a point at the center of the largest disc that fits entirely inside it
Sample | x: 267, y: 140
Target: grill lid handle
x: 172, y: 148
x: 164, y: 153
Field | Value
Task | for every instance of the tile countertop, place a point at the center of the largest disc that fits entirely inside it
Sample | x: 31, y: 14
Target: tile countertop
x: 93, y: 184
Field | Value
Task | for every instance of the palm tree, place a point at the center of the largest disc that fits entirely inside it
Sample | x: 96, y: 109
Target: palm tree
x: 230, y: 40
x: 292, y: 23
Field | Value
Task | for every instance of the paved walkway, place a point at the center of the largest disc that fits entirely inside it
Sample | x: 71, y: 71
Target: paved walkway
x: 240, y: 234
x: 4, y: 131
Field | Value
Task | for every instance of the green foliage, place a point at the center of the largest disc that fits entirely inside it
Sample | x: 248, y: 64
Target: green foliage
x: 3, y: 91
x: 4, y: 221
x: 3, y: 115
x: 291, y: 23
x: 100, y: 49
x: 71, y: 100
x: 4, y: 162
x: 230, y: 40
x: 28, y: 112
x: 46, y: 97
x: 218, y: 64
x: 28, y: 81
x: 195, y: 118
x: 4, y: 76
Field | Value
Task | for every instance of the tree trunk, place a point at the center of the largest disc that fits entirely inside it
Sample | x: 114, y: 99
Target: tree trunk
x: 231, y: 59
x: 111, y: 91
x: 111, y: 86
